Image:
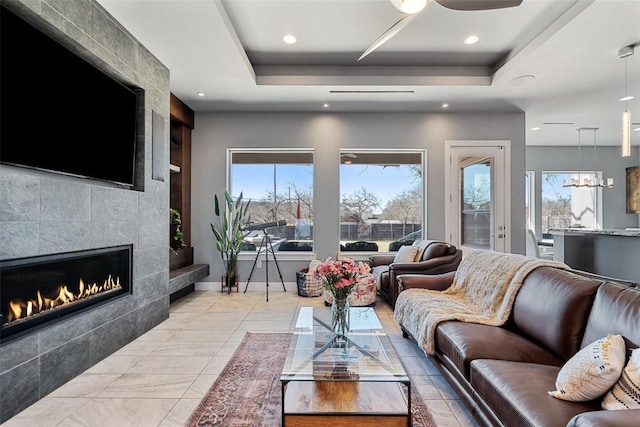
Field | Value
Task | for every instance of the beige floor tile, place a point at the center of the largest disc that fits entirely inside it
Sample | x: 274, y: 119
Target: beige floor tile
x: 138, y: 348
x: 188, y: 348
x: 441, y: 413
x: 200, y: 387
x: 462, y: 413
x: 85, y: 385
x: 170, y: 365
x: 115, y: 364
x: 108, y: 412
x: 180, y: 413
x: 216, y: 365
x: 46, y: 412
x: 137, y: 386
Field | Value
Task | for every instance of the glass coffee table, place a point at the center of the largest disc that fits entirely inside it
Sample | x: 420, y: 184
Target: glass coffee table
x: 355, y: 380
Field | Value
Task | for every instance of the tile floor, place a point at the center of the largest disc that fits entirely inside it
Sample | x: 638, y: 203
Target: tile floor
x: 159, y: 379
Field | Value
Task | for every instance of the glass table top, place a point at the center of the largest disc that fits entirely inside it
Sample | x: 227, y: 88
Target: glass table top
x: 364, y: 354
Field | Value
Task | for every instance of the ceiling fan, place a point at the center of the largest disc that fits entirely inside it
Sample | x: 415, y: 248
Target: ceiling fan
x: 411, y: 8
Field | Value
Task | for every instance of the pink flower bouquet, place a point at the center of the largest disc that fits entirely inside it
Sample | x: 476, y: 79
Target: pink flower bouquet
x: 341, y: 276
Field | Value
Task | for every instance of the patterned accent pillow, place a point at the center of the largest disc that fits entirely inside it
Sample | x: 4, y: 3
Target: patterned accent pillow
x: 625, y: 394
x: 592, y: 371
x: 406, y: 254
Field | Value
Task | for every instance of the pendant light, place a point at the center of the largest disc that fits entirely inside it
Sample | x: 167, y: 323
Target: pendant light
x: 624, y: 53
x: 586, y: 182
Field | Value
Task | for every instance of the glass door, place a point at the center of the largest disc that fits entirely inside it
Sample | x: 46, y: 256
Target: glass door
x: 476, y: 216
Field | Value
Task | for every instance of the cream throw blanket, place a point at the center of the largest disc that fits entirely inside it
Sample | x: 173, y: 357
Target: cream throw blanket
x: 483, y: 290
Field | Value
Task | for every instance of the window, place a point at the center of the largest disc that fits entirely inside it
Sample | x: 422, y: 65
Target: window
x: 381, y: 199
x: 529, y: 200
x: 569, y: 207
x: 279, y: 184
x: 476, y: 185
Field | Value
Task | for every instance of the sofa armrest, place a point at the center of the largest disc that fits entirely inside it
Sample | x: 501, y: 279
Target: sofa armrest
x: 604, y: 418
x: 376, y: 260
x: 434, y: 282
x: 398, y: 268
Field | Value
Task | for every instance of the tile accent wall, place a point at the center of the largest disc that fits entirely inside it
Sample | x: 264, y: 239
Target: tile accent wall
x: 43, y: 213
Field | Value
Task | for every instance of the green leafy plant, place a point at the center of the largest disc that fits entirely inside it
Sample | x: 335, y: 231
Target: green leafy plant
x: 229, y: 230
x: 175, y: 219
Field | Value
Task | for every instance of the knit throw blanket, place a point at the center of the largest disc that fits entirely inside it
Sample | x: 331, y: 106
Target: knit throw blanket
x: 483, y: 290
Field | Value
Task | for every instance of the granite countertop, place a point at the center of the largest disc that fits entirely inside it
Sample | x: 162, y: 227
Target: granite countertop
x: 628, y: 232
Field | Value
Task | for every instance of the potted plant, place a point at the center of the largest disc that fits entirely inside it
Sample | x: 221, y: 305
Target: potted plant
x: 229, y: 233
x: 177, y: 243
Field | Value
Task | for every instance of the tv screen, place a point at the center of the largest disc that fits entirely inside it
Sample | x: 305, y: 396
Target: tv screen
x: 58, y: 112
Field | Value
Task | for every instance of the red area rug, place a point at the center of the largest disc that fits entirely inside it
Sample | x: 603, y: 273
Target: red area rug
x: 248, y: 391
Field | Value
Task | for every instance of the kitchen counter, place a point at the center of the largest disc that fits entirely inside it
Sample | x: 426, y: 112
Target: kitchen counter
x: 610, y: 252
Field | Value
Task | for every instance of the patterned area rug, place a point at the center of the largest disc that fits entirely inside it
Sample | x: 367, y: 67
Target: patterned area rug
x: 247, y: 392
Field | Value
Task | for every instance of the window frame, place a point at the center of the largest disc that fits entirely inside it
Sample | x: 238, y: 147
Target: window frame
x: 423, y: 152
x: 281, y: 255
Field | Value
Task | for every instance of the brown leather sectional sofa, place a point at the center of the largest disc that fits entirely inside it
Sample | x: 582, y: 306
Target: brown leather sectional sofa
x: 503, y: 373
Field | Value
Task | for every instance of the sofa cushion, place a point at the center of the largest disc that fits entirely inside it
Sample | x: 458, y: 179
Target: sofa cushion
x: 435, y: 250
x: 406, y: 254
x: 517, y: 393
x: 616, y: 310
x: 464, y: 342
x: 378, y: 272
x: 625, y: 394
x: 591, y: 371
x: 567, y: 300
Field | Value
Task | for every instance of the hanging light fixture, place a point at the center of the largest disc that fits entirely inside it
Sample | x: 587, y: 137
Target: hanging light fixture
x: 624, y: 53
x: 586, y: 182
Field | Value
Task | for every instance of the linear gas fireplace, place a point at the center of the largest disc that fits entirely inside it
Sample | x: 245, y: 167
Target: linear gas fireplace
x: 35, y: 291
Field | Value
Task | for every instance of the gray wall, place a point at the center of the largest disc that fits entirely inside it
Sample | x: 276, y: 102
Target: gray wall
x: 44, y: 213
x: 327, y: 133
x: 609, y: 161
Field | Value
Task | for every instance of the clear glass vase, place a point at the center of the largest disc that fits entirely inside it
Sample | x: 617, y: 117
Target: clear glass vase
x: 340, y: 316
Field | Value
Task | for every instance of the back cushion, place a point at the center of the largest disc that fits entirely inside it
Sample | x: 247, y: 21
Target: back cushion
x: 435, y: 250
x: 616, y: 310
x: 406, y: 254
x: 552, y: 307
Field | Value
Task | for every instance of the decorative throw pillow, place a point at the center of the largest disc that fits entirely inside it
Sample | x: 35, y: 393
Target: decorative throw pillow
x: 313, y: 264
x: 625, y: 394
x: 592, y: 371
x: 406, y: 254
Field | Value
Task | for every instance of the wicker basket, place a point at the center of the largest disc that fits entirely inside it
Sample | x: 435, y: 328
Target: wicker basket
x: 308, y: 286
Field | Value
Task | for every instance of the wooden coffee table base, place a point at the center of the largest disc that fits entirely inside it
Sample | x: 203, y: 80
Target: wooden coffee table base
x: 309, y: 403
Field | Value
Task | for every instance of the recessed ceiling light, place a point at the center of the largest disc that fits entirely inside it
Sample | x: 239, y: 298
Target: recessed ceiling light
x: 325, y: 105
x: 289, y: 39
x: 627, y: 98
x: 522, y: 80
x: 200, y: 93
x: 445, y: 105
x: 535, y: 128
x: 471, y: 39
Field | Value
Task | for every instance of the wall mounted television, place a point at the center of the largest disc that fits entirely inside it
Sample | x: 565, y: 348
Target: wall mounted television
x: 58, y: 112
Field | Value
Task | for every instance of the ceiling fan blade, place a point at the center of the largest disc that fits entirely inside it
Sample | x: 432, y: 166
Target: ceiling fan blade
x: 392, y: 31
x: 478, y: 4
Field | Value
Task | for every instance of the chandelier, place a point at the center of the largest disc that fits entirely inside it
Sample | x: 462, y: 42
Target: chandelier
x: 587, y: 182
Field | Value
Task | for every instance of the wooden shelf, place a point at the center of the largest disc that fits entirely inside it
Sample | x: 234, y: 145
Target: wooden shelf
x: 181, y: 125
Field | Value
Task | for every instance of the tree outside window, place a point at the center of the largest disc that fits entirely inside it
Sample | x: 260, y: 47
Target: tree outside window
x: 380, y: 198
x: 568, y: 207
x: 279, y: 184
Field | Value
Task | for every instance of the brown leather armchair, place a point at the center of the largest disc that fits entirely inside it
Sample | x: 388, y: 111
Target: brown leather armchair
x: 433, y: 257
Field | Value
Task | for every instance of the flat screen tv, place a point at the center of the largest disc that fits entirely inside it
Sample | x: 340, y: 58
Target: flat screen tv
x: 59, y: 113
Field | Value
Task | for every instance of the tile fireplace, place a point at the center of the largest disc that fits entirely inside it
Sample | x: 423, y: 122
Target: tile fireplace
x: 36, y: 291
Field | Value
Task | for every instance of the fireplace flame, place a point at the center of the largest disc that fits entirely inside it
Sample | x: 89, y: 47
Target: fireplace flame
x: 21, y: 309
